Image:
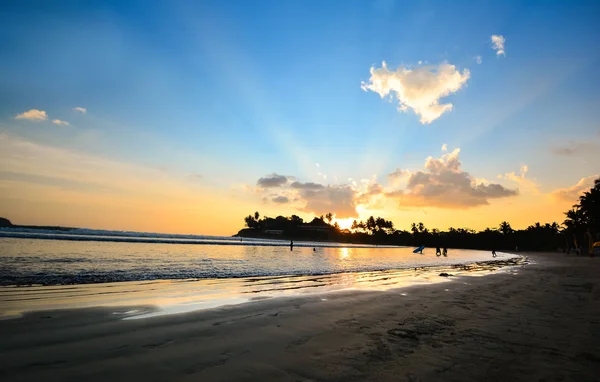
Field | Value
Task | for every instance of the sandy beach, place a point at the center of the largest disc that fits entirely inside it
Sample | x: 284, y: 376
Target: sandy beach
x: 539, y: 322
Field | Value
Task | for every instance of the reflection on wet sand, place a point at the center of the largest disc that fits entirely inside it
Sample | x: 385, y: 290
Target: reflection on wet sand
x: 178, y: 296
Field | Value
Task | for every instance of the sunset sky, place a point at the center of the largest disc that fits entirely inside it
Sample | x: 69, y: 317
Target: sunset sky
x: 186, y: 116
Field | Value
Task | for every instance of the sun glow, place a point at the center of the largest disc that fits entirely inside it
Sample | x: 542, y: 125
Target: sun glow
x: 344, y: 223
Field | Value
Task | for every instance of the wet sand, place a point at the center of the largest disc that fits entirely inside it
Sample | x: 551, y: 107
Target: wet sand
x: 538, y: 322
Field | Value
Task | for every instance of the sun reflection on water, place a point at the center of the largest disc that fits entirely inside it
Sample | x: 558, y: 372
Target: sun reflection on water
x: 344, y: 253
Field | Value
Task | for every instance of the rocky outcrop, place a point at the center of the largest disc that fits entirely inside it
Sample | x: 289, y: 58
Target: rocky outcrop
x: 5, y: 223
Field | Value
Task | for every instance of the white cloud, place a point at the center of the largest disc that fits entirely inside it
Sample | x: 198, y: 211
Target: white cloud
x: 571, y: 194
x: 33, y: 115
x: 444, y: 184
x: 419, y: 89
x: 444, y: 147
x: 59, y: 122
x: 80, y: 109
x: 498, y: 44
x: 478, y: 59
x: 521, y: 180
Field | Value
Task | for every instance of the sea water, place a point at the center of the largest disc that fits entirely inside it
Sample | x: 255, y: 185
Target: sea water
x: 42, y: 270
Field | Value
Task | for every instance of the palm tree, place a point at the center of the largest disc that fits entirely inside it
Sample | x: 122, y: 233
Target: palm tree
x: 505, y: 228
x: 589, y: 203
x: 250, y: 222
x: 413, y: 228
x: 371, y: 225
x: 574, y: 223
x: 329, y: 217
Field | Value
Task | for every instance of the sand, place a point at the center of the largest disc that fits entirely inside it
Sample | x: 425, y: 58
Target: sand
x: 538, y: 323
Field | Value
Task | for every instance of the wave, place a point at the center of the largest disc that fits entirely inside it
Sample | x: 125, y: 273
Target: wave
x: 12, y: 278
x: 118, y: 237
x: 109, y: 233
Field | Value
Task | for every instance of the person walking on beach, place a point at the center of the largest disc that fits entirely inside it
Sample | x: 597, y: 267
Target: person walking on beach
x: 438, y: 252
x: 291, y: 245
x: 494, y: 252
x: 445, y: 252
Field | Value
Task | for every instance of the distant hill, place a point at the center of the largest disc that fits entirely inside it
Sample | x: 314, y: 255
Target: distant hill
x: 5, y: 222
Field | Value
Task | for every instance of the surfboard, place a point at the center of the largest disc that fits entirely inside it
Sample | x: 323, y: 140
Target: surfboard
x: 419, y: 249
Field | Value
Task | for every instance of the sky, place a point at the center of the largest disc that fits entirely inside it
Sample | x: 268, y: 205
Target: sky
x: 186, y: 116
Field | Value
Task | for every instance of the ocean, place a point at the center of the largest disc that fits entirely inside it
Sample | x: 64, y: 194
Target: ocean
x: 41, y: 269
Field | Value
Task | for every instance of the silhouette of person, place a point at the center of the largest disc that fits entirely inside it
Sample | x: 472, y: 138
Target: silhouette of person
x: 314, y: 249
x: 445, y: 252
x: 438, y: 252
x: 291, y: 245
x: 494, y: 252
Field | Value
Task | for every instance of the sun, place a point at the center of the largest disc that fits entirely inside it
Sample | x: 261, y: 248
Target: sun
x: 344, y: 223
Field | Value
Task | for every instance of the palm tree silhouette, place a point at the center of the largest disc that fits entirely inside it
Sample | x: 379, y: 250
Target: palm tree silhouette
x: 505, y: 228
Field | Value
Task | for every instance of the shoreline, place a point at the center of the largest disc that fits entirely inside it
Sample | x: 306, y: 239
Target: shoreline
x: 499, y: 262
x: 176, y: 296
x: 541, y: 322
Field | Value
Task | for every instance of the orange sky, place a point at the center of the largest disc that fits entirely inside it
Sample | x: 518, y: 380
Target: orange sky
x: 61, y: 187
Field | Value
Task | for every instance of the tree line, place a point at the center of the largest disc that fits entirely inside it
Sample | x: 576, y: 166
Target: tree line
x: 580, y: 228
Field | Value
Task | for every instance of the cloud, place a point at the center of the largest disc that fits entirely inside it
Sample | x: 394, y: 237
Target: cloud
x: 419, y: 89
x: 29, y: 159
x: 59, y: 122
x: 272, y: 180
x: 373, y: 190
x: 281, y: 199
x: 478, y: 59
x: 33, y: 115
x: 521, y: 180
x: 498, y: 44
x: 571, y: 194
x: 444, y: 147
x: 307, y: 186
x: 573, y: 148
x: 339, y: 199
x: 82, y: 110
x: 444, y: 184
x: 398, y: 175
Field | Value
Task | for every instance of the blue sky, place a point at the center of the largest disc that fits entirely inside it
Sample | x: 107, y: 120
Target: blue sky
x: 233, y: 90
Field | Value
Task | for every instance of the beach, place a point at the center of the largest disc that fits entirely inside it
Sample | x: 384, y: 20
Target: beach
x: 538, y: 322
